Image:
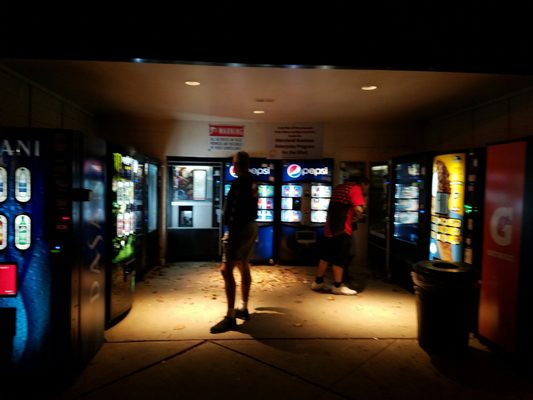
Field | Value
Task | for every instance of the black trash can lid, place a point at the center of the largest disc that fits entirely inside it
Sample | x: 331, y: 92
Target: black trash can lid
x: 439, y: 271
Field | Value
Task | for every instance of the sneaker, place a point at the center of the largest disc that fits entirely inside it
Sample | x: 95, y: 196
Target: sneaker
x: 242, y: 313
x: 227, y: 324
x: 343, y: 289
x: 320, y: 286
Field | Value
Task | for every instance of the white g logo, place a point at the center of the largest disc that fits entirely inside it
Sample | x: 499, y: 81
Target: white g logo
x: 501, y: 227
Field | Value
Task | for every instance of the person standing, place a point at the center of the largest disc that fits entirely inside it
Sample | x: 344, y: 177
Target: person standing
x: 239, y: 215
x: 346, y: 206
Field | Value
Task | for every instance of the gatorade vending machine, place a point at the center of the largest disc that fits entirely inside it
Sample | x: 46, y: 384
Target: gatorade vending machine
x: 306, y: 188
x: 506, y: 304
x: 263, y: 172
x: 52, y: 235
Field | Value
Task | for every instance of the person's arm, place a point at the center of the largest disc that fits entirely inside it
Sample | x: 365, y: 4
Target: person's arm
x: 358, y: 201
x: 359, y: 211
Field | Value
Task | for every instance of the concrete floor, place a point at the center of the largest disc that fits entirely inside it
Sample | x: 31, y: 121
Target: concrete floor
x: 299, y: 344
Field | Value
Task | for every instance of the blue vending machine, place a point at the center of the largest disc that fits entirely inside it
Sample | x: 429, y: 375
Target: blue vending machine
x: 263, y: 171
x: 52, y: 235
x: 304, y: 198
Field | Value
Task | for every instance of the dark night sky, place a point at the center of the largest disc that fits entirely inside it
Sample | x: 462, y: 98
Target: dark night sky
x: 477, y: 36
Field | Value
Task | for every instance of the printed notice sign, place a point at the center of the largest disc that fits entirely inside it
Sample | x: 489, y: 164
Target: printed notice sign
x: 296, y: 141
x: 226, y: 137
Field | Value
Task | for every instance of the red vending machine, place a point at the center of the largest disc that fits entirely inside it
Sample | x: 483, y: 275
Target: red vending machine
x: 505, y: 307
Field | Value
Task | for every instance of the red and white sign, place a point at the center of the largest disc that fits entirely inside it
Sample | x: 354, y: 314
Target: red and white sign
x: 226, y: 137
x: 504, y: 202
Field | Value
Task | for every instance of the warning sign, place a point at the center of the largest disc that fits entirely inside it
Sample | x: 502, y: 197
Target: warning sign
x: 226, y: 137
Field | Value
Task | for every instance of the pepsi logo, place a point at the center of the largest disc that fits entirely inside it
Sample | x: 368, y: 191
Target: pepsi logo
x: 294, y: 170
x: 232, y: 171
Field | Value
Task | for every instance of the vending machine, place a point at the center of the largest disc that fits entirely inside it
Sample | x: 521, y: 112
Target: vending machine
x: 305, y: 191
x: 263, y: 172
x: 52, y: 252
x: 506, y: 303
x: 127, y: 228
x: 378, y: 217
x: 151, y: 213
x: 409, y: 206
x: 456, y: 207
x: 194, y: 208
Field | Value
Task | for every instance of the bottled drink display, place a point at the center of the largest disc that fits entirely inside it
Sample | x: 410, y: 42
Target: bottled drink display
x: 125, y: 170
x: 22, y: 232
x: 22, y: 184
x: 3, y: 232
x: 3, y: 184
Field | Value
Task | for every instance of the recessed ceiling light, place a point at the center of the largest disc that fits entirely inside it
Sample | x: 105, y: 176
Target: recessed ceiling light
x: 192, y: 83
x: 369, y: 87
x: 258, y: 111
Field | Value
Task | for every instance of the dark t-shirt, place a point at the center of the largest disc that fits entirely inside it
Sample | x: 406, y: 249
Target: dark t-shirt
x: 241, y: 204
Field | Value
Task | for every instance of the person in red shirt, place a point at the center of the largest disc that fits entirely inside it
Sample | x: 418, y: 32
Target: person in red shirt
x: 346, y: 206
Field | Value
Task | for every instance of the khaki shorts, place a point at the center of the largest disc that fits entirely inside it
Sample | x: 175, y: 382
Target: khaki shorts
x: 241, y: 242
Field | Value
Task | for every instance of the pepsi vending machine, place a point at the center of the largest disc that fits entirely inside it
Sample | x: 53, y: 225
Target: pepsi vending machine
x: 263, y: 172
x: 52, y: 235
x: 305, y: 193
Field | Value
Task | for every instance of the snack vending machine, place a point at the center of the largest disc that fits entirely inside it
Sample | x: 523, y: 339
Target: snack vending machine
x: 409, y: 204
x: 194, y: 208
x: 506, y: 304
x: 52, y: 235
x: 456, y: 207
x: 264, y: 175
x: 126, y: 209
x: 306, y: 188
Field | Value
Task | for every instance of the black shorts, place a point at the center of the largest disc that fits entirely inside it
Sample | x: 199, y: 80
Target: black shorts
x: 337, y: 250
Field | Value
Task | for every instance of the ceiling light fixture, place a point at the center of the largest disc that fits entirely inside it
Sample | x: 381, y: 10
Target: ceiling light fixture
x: 192, y: 83
x: 258, y: 111
x: 369, y: 87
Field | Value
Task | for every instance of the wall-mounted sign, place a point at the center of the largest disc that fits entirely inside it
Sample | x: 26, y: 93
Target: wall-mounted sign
x: 296, y: 141
x: 226, y: 137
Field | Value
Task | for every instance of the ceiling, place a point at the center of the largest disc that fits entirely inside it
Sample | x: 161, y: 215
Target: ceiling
x: 428, y: 61
x: 286, y: 94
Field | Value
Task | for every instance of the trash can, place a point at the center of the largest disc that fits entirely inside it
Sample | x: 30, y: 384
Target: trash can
x: 445, y: 294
